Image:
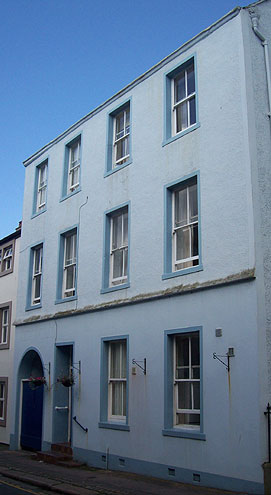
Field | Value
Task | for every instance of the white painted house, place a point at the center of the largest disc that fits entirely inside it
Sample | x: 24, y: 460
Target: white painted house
x: 145, y: 269
x: 9, y: 263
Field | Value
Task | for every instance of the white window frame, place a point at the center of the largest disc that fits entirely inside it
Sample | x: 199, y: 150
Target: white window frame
x: 185, y: 100
x: 69, y: 292
x: 7, y: 258
x: 4, y: 325
x: 36, y: 274
x: 125, y: 137
x: 190, y: 380
x: 74, y: 165
x: 113, y: 380
x: 189, y: 225
x: 42, y: 186
x: 3, y: 400
x: 123, y: 247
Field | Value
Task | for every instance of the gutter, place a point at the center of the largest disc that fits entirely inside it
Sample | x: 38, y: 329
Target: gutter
x: 262, y: 38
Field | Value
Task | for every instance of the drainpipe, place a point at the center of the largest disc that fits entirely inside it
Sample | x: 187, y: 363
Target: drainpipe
x: 255, y: 23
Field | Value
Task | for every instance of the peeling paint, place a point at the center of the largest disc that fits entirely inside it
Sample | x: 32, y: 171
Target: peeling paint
x: 244, y: 276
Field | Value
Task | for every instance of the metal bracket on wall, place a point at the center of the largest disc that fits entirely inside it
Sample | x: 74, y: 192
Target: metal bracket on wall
x: 77, y: 367
x: 47, y: 368
x: 144, y: 367
x: 229, y: 354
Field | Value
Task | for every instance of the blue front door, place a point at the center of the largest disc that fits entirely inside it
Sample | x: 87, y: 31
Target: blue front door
x: 31, y: 431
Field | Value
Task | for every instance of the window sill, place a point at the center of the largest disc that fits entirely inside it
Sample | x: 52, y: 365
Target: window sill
x: 4, y: 346
x: 180, y: 134
x: 116, y: 287
x: 6, y: 272
x: 114, y: 426
x: 38, y: 213
x: 116, y: 169
x: 184, y: 271
x: 70, y: 194
x: 66, y: 299
x: 175, y: 432
x: 36, y: 306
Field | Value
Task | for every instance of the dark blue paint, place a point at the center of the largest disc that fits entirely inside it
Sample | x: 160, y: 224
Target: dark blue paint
x: 31, y: 431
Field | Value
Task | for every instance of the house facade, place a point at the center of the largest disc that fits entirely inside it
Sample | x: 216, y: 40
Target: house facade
x: 9, y: 263
x: 151, y: 299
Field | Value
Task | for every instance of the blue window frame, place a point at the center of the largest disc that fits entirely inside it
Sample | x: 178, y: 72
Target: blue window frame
x: 114, y: 383
x: 118, y: 150
x: 67, y: 266
x: 183, y: 409
x: 181, y: 101
x: 182, y: 230
x: 72, y: 167
x: 116, y: 257
x: 34, y: 287
x: 40, y: 188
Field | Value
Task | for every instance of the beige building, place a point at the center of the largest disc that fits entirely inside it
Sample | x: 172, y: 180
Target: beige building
x: 9, y: 261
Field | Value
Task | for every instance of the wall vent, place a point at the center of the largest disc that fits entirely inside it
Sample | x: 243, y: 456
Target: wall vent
x: 171, y: 471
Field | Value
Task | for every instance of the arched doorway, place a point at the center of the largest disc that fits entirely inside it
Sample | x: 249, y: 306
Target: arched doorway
x: 31, y: 401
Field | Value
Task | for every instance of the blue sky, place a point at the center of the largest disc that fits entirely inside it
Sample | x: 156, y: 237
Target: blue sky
x: 62, y: 58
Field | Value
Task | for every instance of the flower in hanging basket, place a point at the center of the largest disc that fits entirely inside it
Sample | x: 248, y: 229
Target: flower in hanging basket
x: 36, y: 381
x: 67, y: 381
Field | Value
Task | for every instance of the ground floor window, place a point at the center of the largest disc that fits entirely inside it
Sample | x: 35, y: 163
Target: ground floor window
x: 3, y: 400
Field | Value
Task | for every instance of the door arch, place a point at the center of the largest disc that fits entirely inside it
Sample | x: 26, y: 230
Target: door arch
x: 31, y: 417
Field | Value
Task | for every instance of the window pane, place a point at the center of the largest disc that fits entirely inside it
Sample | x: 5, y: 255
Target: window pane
x: 125, y: 254
x: 188, y: 419
x: 183, y: 243
x: 123, y: 362
x: 117, y: 231
x: 184, y: 395
x: 117, y: 399
x: 1, y: 409
x: 117, y: 263
x: 190, y: 80
x: 182, y: 116
x: 196, y: 395
x: 115, y: 360
x: 193, y: 203
x: 120, y: 149
x: 75, y: 176
x: 195, y: 356
x: 192, y: 110
x: 127, y: 120
x: 125, y: 228
x: 119, y: 125
x: 181, y: 207
x: 195, y: 244
x: 70, y: 277
x: 5, y: 316
x: 179, y: 92
x: 37, y: 287
x: 182, y: 348
x: 182, y: 372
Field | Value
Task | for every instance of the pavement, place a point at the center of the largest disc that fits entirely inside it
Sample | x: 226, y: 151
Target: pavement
x: 21, y: 466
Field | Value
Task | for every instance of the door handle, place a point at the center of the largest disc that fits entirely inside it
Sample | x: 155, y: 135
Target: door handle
x: 61, y: 408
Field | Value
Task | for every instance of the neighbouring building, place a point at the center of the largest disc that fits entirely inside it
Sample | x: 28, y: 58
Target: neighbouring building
x: 144, y: 275
x: 9, y: 263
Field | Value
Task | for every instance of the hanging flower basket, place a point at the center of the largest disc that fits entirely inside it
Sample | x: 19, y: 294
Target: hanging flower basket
x: 66, y: 381
x: 36, y: 381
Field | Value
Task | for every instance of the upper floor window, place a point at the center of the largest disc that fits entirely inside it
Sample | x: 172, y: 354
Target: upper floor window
x: 37, y: 275
x: 69, y: 265
x: 67, y: 272
x: 119, y: 138
x: 182, y: 228
x: 184, y: 102
x: 116, y: 249
x: 5, y: 318
x: 6, y: 258
x: 119, y: 247
x: 40, y: 188
x: 185, y: 226
x: 180, y: 101
x: 72, y: 167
